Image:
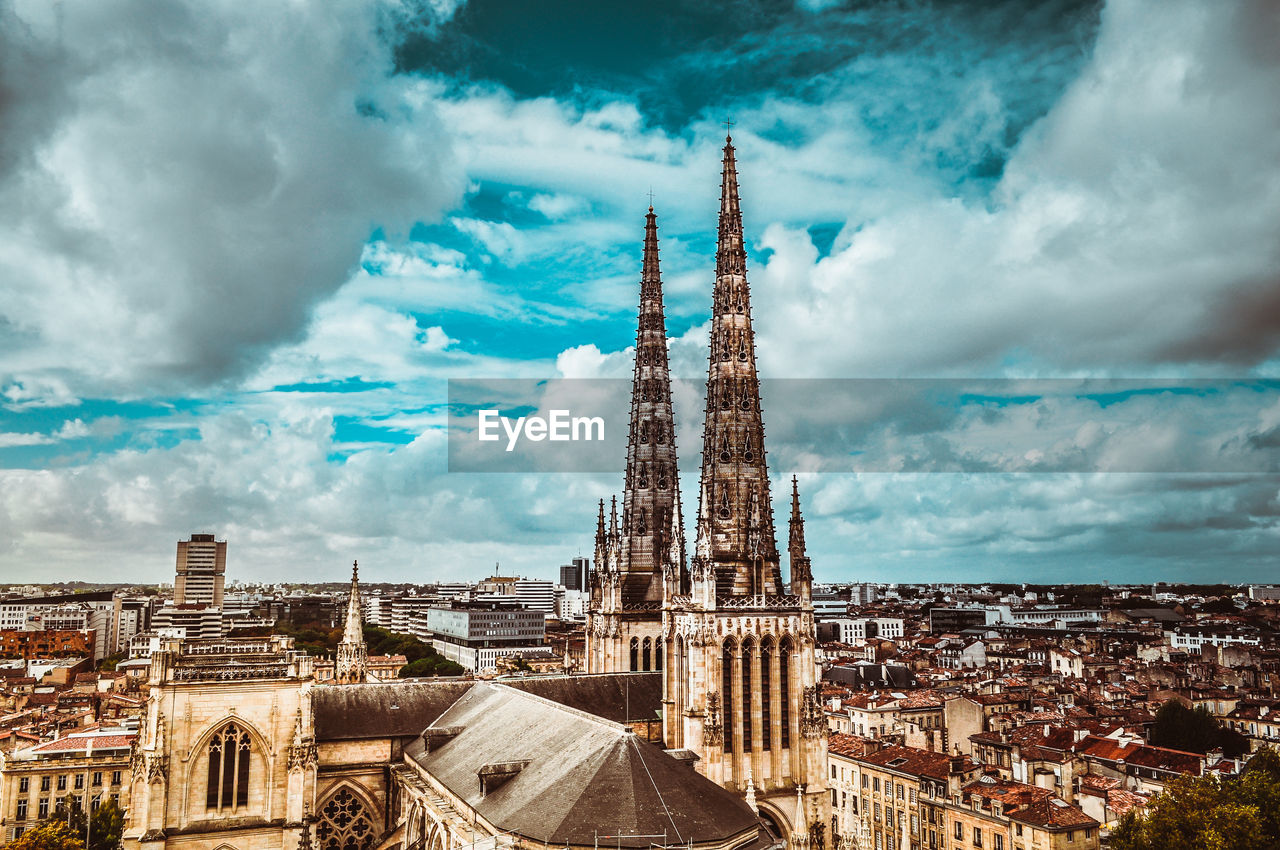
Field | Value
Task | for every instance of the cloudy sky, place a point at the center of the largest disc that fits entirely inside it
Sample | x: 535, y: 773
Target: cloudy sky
x: 244, y: 247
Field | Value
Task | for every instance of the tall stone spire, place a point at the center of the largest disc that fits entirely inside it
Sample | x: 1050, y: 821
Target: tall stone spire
x: 351, y: 664
x: 801, y: 572
x: 650, y: 498
x: 640, y: 560
x: 735, y: 534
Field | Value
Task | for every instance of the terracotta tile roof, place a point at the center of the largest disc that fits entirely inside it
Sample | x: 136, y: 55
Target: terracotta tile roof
x: 851, y: 746
x: 913, y: 761
x: 1101, y: 783
x: 1142, y: 755
x: 81, y: 743
x: 1122, y: 802
x: 1053, y: 813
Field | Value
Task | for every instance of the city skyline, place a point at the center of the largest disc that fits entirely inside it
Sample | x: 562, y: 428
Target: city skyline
x: 408, y: 194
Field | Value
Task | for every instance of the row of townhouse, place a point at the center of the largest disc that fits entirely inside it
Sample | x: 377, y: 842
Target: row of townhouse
x: 907, y: 798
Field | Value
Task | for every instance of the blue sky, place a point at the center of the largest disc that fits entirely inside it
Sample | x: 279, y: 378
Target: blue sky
x: 244, y: 247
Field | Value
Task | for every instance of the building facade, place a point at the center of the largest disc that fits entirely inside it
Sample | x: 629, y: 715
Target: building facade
x: 80, y: 770
x: 200, y: 571
x: 225, y: 755
x: 734, y: 643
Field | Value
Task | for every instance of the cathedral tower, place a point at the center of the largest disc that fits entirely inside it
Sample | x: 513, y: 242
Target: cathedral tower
x: 740, y: 690
x: 351, y: 664
x: 641, y: 558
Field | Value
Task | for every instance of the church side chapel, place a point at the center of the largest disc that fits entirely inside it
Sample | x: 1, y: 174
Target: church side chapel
x: 242, y: 749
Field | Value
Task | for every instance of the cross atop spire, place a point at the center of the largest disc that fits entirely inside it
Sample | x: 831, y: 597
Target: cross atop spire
x: 728, y: 128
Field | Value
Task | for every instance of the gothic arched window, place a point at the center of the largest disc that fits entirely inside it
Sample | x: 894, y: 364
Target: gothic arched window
x: 784, y: 685
x: 766, y: 692
x: 748, y: 653
x: 229, y: 751
x: 345, y: 823
x: 635, y: 654
x: 647, y: 655
x: 726, y: 679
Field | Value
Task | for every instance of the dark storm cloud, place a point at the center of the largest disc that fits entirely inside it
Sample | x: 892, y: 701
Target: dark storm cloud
x: 180, y: 183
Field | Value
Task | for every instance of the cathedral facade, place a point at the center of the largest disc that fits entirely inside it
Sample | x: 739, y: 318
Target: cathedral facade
x: 735, y: 646
x: 242, y: 749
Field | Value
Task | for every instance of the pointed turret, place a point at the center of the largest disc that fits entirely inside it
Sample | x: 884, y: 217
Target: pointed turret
x: 351, y: 663
x: 800, y: 832
x: 735, y: 515
x: 801, y: 571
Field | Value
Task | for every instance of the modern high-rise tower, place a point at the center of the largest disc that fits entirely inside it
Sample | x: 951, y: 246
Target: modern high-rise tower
x: 201, y: 571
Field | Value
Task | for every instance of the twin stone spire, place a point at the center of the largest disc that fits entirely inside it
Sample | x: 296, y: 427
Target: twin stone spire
x: 644, y: 551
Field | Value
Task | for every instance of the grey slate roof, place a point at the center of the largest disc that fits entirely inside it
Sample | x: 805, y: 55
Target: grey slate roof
x: 583, y: 774
x: 620, y: 697
x: 381, y: 710
x: 404, y: 709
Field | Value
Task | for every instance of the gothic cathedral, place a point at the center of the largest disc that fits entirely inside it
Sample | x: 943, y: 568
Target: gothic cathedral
x: 734, y: 645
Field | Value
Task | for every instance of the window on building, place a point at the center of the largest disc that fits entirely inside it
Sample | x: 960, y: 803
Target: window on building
x: 24, y: 784
x: 345, y: 823
x: 977, y: 837
x: 748, y: 652
x: 79, y: 781
x: 784, y: 686
x: 21, y: 813
x: 42, y: 808
x: 726, y: 677
x: 766, y: 694
x: 97, y: 778
x: 115, y: 777
x: 959, y: 831
x: 228, y: 775
x: 62, y: 782
x: 44, y: 783
x: 999, y: 841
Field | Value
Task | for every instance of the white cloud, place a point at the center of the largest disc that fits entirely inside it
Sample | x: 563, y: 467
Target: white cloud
x: 1132, y: 229
x: 179, y: 185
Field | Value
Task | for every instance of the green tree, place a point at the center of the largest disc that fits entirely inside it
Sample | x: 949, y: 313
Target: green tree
x: 1207, y: 813
x: 1195, y: 731
x: 437, y: 666
x: 106, y: 825
x: 48, y: 835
